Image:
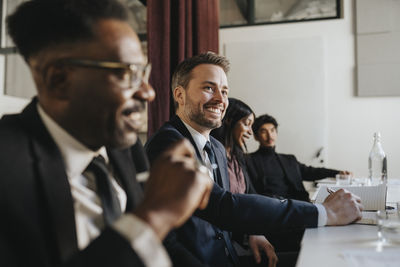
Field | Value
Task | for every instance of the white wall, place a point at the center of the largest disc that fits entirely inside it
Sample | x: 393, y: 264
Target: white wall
x: 351, y: 120
x: 8, y: 104
x: 267, y: 64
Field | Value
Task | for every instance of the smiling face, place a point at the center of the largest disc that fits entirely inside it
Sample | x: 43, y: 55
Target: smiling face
x: 267, y: 135
x: 96, y: 109
x: 242, y: 130
x: 203, y: 103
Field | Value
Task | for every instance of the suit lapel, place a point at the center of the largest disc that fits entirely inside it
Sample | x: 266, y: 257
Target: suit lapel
x: 53, y: 182
x: 178, y: 124
x: 124, y: 168
x: 220, y: 155
x: 286, y: 170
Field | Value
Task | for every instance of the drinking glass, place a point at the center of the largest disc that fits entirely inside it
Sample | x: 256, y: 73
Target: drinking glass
x: 343, y: 179
x: 388, y: 227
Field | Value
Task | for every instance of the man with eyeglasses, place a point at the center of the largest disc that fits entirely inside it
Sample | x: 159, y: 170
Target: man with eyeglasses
x: 68, y: 162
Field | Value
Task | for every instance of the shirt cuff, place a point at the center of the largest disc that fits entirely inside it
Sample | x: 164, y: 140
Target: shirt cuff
x: 322, y: 216
x: 143, y: 240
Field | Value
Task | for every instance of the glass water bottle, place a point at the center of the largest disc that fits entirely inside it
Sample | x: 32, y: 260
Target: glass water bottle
x: 377, y: 164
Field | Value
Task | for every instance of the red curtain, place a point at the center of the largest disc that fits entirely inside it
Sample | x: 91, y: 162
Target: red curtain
x: 176, y: 29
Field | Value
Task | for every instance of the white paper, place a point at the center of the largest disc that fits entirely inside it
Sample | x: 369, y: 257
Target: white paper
x: 372, y: 197
x: 368, y: 217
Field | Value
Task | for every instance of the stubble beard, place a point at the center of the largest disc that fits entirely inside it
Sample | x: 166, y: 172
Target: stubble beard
x: 200, y: 119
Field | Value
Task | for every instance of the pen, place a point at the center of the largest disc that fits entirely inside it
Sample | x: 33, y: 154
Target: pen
x: 330, y: 191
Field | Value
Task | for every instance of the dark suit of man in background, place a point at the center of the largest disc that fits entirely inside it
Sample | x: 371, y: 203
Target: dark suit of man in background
x: 68, y: 193
x: 280, y: 175
x: 200, y: 91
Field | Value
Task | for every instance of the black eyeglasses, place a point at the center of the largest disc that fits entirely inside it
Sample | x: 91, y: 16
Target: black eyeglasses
x: 132, y: 74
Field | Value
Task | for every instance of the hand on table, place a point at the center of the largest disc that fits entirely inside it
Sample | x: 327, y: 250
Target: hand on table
x: 259, y: 243
x: 175, y: 189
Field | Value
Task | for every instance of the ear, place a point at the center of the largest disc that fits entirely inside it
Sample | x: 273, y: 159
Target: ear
x: 179, y: 95
x: 56, y: 81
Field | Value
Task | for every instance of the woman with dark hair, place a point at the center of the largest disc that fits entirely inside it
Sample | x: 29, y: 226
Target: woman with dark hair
x: 235, y: 129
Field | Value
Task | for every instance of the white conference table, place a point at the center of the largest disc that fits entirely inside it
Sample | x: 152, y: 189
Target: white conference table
x: 324, y: 246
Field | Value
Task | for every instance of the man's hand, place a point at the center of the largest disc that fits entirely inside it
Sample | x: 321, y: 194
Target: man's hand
x: 259, y: 243
x: 346, y: 173
x: 175, y: 189
x: 342, y: 207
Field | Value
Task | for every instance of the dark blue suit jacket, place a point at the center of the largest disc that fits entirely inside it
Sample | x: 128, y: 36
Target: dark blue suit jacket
x: 204, y: 240
x: 252, y: 214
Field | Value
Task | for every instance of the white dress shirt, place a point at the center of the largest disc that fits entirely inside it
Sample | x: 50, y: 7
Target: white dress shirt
x: 87, y: 205
x: 200, y: 141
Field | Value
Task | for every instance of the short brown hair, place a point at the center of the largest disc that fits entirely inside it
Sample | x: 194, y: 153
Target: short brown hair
x: 181, y: 76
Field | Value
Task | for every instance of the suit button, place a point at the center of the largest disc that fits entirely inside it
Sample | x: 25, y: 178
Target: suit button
x: 219, y: 236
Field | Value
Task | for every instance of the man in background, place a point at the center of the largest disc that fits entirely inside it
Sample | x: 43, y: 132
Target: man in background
x: 279, y: 175
x: 68, y: 193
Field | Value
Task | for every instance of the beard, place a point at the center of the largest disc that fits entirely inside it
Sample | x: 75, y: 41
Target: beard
x: 200, y: 118
x: 197, y: 115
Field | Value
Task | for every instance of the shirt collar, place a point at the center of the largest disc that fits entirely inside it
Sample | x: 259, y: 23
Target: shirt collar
x: 199, y: 139
x: 76, y: 156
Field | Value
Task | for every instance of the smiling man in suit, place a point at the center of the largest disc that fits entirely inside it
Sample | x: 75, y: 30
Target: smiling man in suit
x: 197, y: 233
x: 200, y: 90
x: 68, y: 193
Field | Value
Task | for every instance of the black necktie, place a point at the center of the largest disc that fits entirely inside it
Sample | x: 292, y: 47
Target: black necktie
x: 105, y: 190
x: 211, y: 157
